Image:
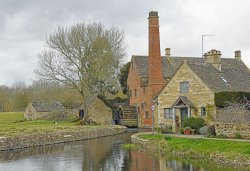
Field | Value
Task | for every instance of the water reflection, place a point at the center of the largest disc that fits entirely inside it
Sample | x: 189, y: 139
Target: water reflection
x: 103, y: 154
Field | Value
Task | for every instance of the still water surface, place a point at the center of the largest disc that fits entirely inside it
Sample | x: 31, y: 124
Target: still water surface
x: 102, y: 154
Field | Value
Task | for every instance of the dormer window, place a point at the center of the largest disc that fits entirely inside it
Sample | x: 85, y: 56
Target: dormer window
x: 184, y: 87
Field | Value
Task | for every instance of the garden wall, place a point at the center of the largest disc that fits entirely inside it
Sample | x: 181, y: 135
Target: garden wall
x: 230, y: 129
x: 24, y: 141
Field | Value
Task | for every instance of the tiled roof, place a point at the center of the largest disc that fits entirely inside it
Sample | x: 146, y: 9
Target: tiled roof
x: 234, y: 75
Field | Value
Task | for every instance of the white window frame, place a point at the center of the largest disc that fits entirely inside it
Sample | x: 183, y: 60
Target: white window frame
x: 168, y: 113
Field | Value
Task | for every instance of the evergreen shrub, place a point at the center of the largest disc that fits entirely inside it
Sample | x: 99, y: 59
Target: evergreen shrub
x: 194, y: 123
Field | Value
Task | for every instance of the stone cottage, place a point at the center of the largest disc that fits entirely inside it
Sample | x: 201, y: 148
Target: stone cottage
x: 195, y: 81
x: 181, y: 87
x: 40, y: 109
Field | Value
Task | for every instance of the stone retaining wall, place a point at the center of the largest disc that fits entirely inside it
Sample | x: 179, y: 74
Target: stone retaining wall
x: 136, y: 140
x: 230, y: 129
x: 24, y: 141
x: 213, y: 158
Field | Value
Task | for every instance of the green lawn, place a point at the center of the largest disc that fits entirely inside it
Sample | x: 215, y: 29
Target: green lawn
x: 229, y: 148
x: 13, y: 123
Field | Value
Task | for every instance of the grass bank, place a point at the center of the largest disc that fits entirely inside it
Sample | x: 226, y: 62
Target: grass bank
x: 222, y: 152
x: 13, y: 123
x: 16, y: 133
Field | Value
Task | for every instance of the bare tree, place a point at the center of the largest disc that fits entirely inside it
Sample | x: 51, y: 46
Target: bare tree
x: 85, y: 57
x: 235, y: 112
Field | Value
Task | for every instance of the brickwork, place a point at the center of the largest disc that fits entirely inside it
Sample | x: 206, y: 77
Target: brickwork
x: 142, y: 96
x: 154, y: 58
x: 155, y: 78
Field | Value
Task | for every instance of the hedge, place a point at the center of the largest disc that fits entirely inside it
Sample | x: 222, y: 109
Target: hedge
x: 222, y: 98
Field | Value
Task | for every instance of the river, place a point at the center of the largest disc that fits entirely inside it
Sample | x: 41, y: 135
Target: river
x: 102, y: 154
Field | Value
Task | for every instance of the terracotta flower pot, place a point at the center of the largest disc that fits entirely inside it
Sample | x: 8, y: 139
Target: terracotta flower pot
x: 187, y: 132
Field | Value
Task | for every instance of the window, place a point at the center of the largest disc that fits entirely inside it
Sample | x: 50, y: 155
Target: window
x: 135, y: 92
x: 203, y: 111
x: 144, y: 89
x: 168, y: 113
x: 130, y: 93
x: 146, y: 114
x: 184, y: 87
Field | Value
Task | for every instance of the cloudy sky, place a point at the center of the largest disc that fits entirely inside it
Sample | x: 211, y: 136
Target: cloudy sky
x: 25, y: 24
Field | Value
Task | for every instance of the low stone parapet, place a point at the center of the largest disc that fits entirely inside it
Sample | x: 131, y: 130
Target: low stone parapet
x: 32, y: 140
x: 232, y: 129
x: 136, y: 140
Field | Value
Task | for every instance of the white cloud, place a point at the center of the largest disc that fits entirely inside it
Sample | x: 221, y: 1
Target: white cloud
x: 25, y: 24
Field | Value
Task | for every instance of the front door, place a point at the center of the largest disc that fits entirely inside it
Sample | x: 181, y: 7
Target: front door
x: 184, y: 114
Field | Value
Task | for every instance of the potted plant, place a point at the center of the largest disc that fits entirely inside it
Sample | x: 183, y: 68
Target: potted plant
x: 187, y: 130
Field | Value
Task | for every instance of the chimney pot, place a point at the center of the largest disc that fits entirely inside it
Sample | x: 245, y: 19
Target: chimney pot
x: 213, y: 57
x: 238, y: 55
x: 153, y: 14
x: 167, y: 52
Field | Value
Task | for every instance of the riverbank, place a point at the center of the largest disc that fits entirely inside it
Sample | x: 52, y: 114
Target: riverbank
x: 41, y: 139
x: 221, y: 152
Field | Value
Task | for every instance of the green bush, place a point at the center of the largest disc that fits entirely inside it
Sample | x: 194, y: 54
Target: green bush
x: 194, y: 123
x: 111, y: 102
x: 223, y: 98
x: 164, y: 129
x: 238, y: 135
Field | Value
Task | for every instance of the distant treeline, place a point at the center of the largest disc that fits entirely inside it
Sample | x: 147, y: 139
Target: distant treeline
x: 17, y: 97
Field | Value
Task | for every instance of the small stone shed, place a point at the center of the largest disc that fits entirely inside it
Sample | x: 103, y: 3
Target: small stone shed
x: 38, y: 109
x: 99, y: 112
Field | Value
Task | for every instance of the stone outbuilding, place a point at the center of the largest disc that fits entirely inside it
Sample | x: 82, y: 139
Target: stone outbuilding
x: 40, y: 109
x: 98, y: 112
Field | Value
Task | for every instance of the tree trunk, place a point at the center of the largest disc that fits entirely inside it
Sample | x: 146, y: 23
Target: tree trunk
x: 85, y: 120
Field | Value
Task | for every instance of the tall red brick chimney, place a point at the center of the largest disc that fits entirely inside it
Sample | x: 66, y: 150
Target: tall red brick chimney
x: 156, y: 80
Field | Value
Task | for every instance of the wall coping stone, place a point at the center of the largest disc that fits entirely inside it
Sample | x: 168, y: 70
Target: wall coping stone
x: 33, y: 140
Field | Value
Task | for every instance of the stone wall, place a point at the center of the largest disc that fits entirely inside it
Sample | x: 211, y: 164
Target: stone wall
x: 230, y: 129
x: 199, y: 94
x: 24, y: 141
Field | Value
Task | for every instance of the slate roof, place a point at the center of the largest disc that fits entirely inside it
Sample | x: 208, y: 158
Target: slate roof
x: 185, y: 100
x: 234, y: 75
x: 47, y: 107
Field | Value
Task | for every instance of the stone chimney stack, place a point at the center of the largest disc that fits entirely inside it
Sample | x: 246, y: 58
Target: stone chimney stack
x: 238, y: 55
x: 213, y: 57
x: 167, y: 52
x: 154, y: 56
